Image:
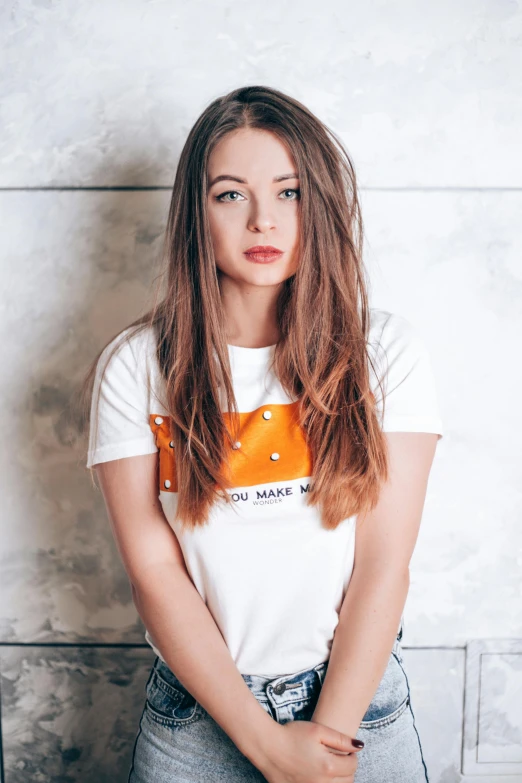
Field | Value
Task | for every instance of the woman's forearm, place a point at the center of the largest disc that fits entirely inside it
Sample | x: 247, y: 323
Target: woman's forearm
x: 189, y: 640
x: 363, y: 639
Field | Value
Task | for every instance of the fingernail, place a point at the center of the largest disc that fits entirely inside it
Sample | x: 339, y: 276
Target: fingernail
x: 358, y: 743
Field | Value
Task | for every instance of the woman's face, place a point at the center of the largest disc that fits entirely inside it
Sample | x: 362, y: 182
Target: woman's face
x: 255, y: 202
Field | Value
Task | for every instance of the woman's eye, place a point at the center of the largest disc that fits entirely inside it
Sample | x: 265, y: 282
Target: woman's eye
x: 291, y: 190
x: 222, y: 198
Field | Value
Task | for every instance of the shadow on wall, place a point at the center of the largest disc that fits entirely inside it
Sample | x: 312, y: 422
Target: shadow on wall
x: 71, y: 710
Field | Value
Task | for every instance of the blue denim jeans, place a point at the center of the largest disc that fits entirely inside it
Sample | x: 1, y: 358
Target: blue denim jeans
x: 179, y: 742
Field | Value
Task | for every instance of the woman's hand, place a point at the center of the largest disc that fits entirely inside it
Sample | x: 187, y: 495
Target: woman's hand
x: 308, y: 752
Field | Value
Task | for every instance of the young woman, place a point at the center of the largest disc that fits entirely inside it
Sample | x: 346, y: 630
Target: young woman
x: 263, y: 441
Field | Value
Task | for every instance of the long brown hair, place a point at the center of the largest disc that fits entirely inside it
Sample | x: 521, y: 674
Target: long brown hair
x: 322, y: 355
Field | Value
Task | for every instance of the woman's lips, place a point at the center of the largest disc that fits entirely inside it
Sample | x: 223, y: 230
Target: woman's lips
x: 264, y: 257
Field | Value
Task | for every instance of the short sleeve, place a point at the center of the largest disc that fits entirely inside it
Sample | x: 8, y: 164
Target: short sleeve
x: 119, y: 417
x: 411, y: 399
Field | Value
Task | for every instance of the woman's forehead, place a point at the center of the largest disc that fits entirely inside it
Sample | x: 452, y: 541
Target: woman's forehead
x: 251, y: 152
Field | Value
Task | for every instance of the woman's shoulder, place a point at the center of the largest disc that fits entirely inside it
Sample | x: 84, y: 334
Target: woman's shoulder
x: 389, y: 330
x: 133, y: 349
x: 403, y: 361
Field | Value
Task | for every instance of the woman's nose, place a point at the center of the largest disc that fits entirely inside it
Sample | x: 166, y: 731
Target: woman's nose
x: 261, y: 217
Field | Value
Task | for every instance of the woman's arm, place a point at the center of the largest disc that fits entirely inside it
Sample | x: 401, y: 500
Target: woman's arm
x: 171, y: 608
x: 372, y: 607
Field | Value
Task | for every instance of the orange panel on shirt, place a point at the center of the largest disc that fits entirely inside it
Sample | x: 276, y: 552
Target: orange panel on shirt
x: 260, y: 438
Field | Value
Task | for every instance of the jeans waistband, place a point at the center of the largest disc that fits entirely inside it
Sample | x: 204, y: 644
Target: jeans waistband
x: 286, y: 688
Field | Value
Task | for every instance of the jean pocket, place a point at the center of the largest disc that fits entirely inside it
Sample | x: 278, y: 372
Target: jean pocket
x: 391, y: 698
x: 168, y: 701
x: 397, y: 649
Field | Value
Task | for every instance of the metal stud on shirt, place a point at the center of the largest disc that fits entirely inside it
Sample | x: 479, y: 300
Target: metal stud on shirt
x: 167, y: 483
x: 158, y: 420
x: 267, y: 415
x: 274, y: 456
x: 171, y: 444
x: 237, y: 444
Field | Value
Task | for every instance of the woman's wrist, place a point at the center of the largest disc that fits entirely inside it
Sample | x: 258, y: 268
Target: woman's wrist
x: 259, y: 741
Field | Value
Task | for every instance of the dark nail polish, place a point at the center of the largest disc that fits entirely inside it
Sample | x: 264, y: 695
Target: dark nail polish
x: 358, y: 743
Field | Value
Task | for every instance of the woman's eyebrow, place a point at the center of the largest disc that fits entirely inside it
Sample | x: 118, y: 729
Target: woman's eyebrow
x: 280, y: 178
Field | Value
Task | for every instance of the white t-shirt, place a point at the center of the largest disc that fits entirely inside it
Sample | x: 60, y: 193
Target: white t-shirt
x: 272, y: 577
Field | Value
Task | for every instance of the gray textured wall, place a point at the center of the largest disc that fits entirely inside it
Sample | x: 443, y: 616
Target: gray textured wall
x: 94, y: 95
